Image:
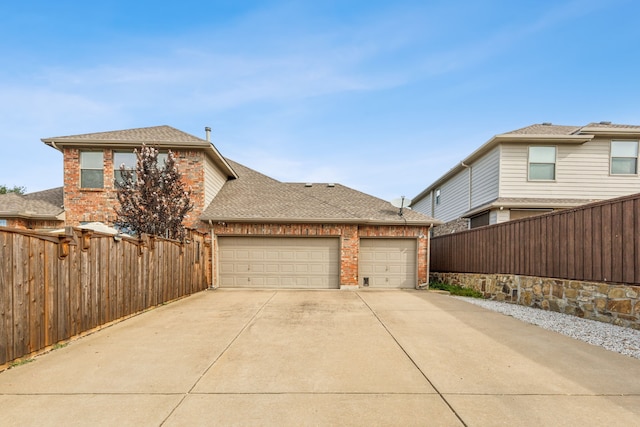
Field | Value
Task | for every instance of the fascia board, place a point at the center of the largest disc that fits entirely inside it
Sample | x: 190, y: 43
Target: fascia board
x: 263, y: 220
x: 209, y: 148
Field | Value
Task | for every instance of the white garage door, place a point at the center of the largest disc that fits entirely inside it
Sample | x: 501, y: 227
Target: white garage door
x: 279, y: 262
x: 387, y: 263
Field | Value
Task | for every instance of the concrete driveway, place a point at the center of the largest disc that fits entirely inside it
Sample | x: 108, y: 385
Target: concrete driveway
x: 231, y: 357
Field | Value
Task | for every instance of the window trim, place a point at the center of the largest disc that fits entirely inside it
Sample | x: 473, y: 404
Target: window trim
x: 611, y: 173
x: 555, y: 164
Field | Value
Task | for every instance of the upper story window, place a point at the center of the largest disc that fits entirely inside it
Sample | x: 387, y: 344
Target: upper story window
x: 91, y: 169
x: 129, y: 160
x: 438, y: 196
x: 3, y: 222
x: 624, y: 157
x: 542, y: 163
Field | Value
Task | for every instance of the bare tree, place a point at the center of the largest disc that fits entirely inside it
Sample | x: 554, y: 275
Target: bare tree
x: 153, y: 199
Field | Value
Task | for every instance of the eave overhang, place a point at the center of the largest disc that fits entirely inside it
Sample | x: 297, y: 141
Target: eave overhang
x: 262, y: 220
x: 210, y: 150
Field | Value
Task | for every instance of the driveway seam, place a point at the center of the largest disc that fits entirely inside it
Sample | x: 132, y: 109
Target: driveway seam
x: 246, y: 325
x: 412, y: 361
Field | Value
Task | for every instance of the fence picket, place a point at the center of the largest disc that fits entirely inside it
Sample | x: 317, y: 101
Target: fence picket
x: 45, y: 298
x: 596, y: 242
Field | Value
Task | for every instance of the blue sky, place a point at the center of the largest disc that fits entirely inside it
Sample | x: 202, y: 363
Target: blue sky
x: 382, y: 96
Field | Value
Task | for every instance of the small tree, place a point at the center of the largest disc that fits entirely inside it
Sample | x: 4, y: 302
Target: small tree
x: 152, y: 198
x: 18, y: 190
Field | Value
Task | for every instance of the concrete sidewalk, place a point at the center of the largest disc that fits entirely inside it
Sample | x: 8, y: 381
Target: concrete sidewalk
x: 231, y: 357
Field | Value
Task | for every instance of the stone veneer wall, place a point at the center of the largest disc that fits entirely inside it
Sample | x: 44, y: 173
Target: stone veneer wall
x: 460, y: 224
x: 605, y: 302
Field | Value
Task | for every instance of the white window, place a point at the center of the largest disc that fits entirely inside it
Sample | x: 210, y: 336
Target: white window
x: 542, y: 163
x: 91, y: 169
x: 126, y: 159
x: 624, y: 157
x: 129, y: 160
x: 3, y: 222
x: 438, y: 196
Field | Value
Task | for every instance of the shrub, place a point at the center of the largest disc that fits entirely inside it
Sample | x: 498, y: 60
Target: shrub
x: 456, y: 290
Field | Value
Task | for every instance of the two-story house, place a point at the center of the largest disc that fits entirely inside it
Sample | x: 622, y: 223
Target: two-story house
x: 264, y: 233
x: 533, y: 170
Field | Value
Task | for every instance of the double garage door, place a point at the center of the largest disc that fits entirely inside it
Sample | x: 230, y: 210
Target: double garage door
x: 279, y: 262
x: 312, y: 263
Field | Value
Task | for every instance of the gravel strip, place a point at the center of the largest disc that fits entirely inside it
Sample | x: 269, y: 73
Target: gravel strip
x: 611, y: 337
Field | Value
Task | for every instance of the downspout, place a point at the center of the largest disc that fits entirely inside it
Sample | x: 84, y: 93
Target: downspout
x: 429, y: 254
x: 469, y: 185
x: 213, y: 246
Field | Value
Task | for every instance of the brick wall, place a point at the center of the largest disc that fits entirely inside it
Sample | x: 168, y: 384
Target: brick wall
x: 605, y: 302
x: 88, y: 204
x: 349, y: 242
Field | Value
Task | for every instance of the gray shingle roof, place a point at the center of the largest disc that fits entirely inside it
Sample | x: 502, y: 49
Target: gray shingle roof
x: 152, y: 134
x: 545, y: 129
x: 608, y: 125
x: 54, y: 196
x: 551, y: 129
x: 258, y: 198
x: 43, y: 204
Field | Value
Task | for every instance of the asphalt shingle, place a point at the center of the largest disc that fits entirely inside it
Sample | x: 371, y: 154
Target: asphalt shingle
x: 42, y: 203
x: 149, y: 134
x: 255, y: 197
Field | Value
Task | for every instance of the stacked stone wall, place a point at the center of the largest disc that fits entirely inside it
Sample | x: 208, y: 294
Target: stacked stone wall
x: 460, y: 224
x: 605, y: 302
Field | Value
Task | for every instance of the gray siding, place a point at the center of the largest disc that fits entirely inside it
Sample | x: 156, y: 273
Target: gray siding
x: 582, y: 172
x: 454, y: 197
x: 424, y: 206
x: 485, y: 180
x: 214, y: 179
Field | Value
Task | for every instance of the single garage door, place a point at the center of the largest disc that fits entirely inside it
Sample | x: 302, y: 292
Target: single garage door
x: 279, y: 262
x: 387, y: 263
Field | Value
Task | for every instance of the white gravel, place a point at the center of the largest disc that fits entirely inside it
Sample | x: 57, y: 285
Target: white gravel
x: 612, y: 337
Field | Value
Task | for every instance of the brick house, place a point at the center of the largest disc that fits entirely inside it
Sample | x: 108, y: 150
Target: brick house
x: 38, y: 210
x: 265, y: 233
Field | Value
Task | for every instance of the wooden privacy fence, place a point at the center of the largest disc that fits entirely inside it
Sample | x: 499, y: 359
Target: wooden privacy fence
x: 598, y: 242
x: 54, y: 287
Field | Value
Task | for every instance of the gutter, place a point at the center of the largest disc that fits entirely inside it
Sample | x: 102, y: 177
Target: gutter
x: 371, y: 221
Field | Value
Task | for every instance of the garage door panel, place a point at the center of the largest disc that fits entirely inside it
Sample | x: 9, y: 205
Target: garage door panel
x: 388, y: 263
x: 279, y: 262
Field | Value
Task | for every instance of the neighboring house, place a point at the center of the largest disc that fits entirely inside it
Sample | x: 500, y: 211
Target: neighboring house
x: 533, y: 170
x: 39, y: 210
x: 265, y: 233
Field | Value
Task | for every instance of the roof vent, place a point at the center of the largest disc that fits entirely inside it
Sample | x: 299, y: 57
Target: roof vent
x: 546, y: 124
x: 605, y: 123
x: 308, y: 184
x: 331, y: 184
